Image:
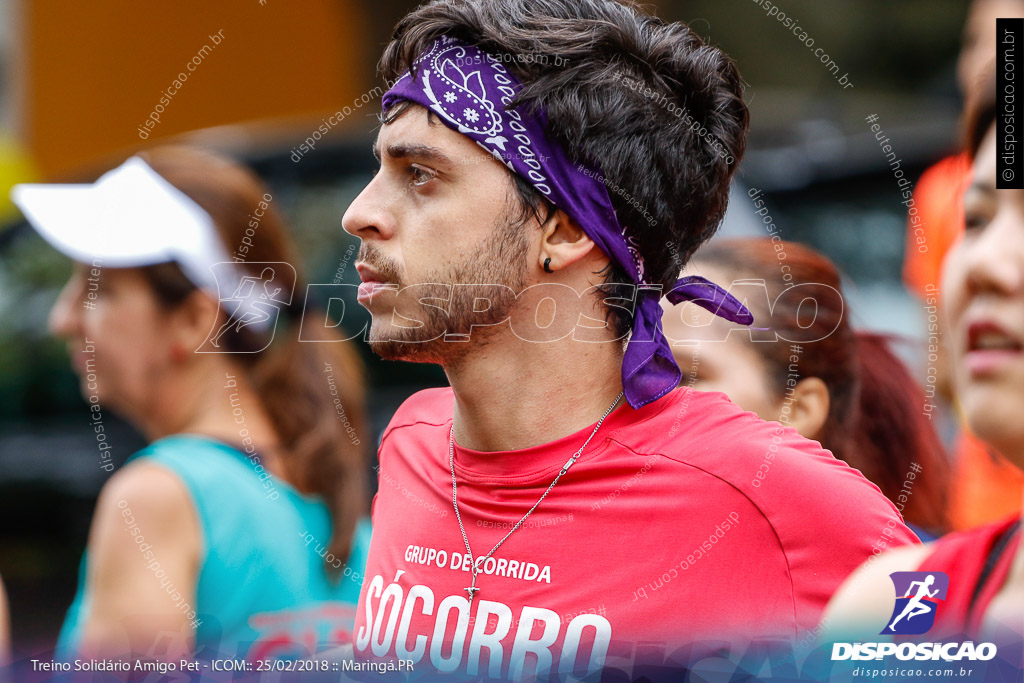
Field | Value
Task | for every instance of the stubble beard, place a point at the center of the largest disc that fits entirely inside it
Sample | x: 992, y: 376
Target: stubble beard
x: 501, y: 260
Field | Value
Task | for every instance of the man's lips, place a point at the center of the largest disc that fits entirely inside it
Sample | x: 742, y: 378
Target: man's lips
x: 990, y: 347
x: 373, y: 282
x: 370, y: 289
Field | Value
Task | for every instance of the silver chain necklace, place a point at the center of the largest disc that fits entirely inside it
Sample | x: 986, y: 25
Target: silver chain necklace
x: 472, y: 589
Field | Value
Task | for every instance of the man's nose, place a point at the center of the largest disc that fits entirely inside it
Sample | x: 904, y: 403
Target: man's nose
x: 368, y: 216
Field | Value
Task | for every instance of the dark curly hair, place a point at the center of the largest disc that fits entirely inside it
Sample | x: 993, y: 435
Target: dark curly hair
x: 587, y: 63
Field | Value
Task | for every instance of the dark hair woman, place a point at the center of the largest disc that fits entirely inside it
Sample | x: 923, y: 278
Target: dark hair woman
x: 983, y: 295
x: 812, y: 370
x: 237, y: 531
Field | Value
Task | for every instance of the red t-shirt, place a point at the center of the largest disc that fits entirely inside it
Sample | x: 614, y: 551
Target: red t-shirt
x: 962, y: 556
x: 688, y: 520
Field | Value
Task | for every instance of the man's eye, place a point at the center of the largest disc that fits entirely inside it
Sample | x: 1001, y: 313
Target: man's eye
x: 421, y: 176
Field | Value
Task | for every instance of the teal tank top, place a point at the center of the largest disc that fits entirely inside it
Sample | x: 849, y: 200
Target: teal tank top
x: 263, y: 589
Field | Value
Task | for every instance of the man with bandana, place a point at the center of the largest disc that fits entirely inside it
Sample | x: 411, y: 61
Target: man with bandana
x: 565, y: 506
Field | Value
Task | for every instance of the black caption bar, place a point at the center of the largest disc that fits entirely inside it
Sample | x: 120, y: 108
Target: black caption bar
x: 1010, y: 169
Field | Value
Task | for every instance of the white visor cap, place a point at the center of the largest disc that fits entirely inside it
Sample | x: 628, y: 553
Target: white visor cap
x: 132, y: 216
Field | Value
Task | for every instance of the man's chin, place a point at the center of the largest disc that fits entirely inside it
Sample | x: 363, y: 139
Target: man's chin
x: 406, y: 351
x: 419, y: 346
x: 392, y: 343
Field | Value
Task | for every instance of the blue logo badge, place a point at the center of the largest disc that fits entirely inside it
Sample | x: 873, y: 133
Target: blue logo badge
x: 917, y: 601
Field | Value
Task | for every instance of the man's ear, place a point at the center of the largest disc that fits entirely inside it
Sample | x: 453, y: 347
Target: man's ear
x: 810, y: 407
x: 563, y: 241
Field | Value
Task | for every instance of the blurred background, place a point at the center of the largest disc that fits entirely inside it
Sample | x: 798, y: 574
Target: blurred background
x: 78, y: 81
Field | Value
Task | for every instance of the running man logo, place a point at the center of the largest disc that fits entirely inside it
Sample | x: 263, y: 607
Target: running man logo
x: 917, y: 601
x: 249, y: 301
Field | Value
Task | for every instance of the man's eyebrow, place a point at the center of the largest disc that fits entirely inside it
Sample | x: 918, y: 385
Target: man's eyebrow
x: 424, y: 152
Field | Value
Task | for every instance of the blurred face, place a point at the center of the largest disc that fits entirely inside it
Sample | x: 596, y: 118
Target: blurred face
x: 116, y: 336
x: 983, y: 280
x: 716, y: 362
x: 435, y: 215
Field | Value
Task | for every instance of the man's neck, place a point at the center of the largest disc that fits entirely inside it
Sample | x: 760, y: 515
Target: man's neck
x: 511, y: 394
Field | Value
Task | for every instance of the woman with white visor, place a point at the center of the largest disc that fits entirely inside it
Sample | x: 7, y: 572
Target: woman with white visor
x: 238, y: 531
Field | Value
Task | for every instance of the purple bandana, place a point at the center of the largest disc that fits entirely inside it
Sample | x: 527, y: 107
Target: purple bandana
x: 470, y: 90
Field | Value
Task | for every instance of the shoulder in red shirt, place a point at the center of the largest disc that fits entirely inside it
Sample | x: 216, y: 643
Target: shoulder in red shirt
x: 688, y: 521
